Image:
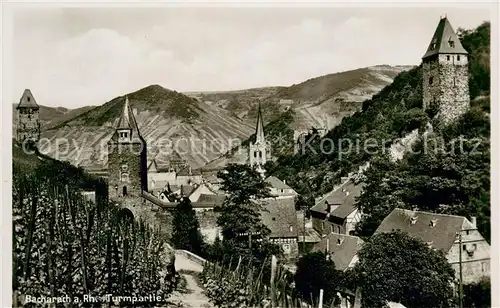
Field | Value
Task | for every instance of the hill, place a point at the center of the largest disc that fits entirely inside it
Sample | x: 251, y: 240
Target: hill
x: 450, y: 183
x: 320, y: 101
x: 199, y: 131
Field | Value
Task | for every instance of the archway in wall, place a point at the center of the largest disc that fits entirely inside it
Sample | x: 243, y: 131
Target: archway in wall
x: 126, y: 214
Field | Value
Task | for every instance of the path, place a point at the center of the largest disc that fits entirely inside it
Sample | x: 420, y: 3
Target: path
x: 193, y: 296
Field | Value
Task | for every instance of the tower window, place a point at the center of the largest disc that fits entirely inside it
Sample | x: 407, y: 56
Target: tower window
x: 124, y: 190
x: 431, y: 80
x: 448, y: 58
x: 458, y: 58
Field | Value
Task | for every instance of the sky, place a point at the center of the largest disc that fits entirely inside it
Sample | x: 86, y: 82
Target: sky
x: 74, y: 57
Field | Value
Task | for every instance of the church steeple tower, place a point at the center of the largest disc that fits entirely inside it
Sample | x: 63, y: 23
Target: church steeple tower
x: 259, y: 151
x: 445, y: 74
x: 127, y: 159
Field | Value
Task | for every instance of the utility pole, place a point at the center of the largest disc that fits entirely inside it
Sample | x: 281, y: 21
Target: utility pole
x: 460, y: 285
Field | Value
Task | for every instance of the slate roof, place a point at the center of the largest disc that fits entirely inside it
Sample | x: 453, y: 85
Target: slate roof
x: 441, y: 236
x: 186, y: 190
x: 343, y: 200
x: 188, y: 171
x: 341, y: 247
x: 279, y: 215
x: 127, y: 121
x: 155, y: 167
x: 277, y: 183
x: 443, y: 34
x: 217, y: 200
x: 27, y: 100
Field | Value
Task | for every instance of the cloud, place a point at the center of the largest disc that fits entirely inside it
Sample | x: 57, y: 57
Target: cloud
x: 82, y: 57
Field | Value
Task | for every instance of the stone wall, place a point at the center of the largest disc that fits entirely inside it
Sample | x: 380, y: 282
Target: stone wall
x: 28, y: 124
x: 475, y: 265
x: 449, y: 88
x: 125, y: 159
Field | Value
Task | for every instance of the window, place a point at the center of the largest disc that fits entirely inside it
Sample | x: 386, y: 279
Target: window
x: 458, y: 58
x: 452, y: 44
x: 29, y: 99
x: 124, y: 190
x: 286, y: 248
x: 254, y: 154
x: 433, y: 46
x: 431, y: 80
x: 467, y: 232
x: 124, y: 177
x: 474, y: 246
x: 482, y: 266
x: 464, y: 247
x: 260, y: 154
x: 322, y: 225
x: 448, y: 58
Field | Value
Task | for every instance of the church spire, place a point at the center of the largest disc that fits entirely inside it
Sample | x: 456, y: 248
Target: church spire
x: 259, y: 131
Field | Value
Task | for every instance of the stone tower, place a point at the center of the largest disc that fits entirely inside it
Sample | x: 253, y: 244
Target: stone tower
x: 127, y: 160
x: 259, y: 151
x: 28, y: 119
x: 445, y: 74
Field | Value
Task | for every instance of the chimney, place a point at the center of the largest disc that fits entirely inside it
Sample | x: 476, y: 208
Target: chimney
x: 284, y: 181
x: 473, y: 222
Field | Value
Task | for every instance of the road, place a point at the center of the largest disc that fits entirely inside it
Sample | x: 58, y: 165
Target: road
x: 193, y: 297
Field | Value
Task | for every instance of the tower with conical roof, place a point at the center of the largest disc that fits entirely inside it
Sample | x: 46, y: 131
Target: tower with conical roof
x: 445, y: 75
x: 259, y: 151
x: 28, y: 118
x: 127, y: 160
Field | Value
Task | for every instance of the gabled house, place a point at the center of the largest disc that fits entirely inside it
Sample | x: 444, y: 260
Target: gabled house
x: 441, y: 232
x: 280, y: 217
x: 279, y: 188
x: 341, y: 249
x: 337, y: 212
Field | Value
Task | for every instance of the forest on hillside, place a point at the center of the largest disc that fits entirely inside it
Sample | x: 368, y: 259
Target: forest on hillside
x: 443, y: 181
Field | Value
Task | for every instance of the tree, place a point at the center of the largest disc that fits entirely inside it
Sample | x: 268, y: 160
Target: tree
x: 315, y: 272
x: 399, y: 268
x: 240, y: 214
x: 478, y: 295
x: 187, y: 233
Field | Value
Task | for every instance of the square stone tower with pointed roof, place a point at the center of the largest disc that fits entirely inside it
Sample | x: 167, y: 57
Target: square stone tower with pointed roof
x: 259, y: 151
x: 127, y: 160
x: 445, y: 75
x: 28, y: 118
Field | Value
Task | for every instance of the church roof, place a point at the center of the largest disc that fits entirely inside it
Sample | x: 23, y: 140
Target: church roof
x: 27, y: 100
x: 127, y: 121
x: 444, y: 40
x: 259, y: 130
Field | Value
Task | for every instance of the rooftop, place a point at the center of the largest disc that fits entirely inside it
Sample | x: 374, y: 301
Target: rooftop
x: 341, y: 248
x: 280, y: 217
x: 439, y: 230
x: 342, y: 200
